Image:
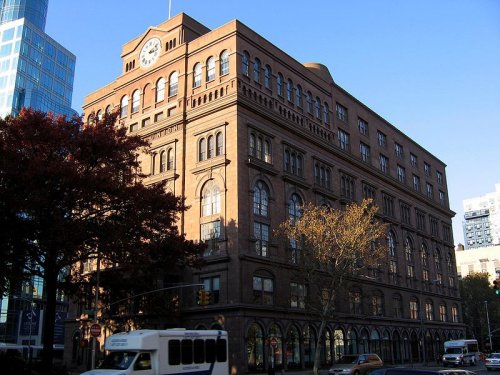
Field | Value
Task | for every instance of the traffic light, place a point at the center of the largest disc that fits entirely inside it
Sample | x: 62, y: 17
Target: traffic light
x: 496, y: 286
x: 203, y: 297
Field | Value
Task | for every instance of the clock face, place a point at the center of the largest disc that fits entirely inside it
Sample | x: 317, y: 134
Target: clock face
x: 150, y: 52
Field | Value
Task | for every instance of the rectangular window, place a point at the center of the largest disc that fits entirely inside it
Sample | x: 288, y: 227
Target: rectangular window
x: 341, y: 112
x: 442, y: 198
x: 429, y: 190
x: 439, y: 177
x: 420, y: 215
x: 382, y: 139
x: 405, y: 214
x: 347, y: 186
x: 364, y: 150
x: 416, y: 183
x: 344, y: 140
x: 263, y: 290
x: 362, y: 126
x: 399, y: 150
x: 298, y: 294
x: 210, y: 235
x: 212, y: 285
x: 401, y: 174
x: 427, y: 169
x: 368, y: 191
x: 261, y: 234
x: 384, y: 163
x: 388, y: 205
x: 413, y: 160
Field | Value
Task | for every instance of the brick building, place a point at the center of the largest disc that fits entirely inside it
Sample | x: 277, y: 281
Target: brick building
x: 247, y: 134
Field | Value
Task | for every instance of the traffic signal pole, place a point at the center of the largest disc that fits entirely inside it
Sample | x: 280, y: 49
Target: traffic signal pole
x: 489, y: 328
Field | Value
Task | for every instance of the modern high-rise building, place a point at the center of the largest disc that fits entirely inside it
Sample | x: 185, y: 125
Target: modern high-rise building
x: 482, y: 220
x: 35, y: 70
x: 247, y: 134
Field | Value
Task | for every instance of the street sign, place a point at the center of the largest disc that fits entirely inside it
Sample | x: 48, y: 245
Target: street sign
x: 274, y: 342
x: 95, y: 330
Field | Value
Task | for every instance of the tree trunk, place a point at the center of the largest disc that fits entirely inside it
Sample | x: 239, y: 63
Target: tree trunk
x: 49, y: 321
x: 317, y: 353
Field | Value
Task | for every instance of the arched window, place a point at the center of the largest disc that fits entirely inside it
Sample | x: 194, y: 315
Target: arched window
x: 437, y: 260
x: 409, y: 250
x: 91, y: 119
x: 413, y: 308
x: 429, y: 310
x: 391, y: 243
x: 294, y: 204
x: 210, y: 199
x: 210, y: 69
x: 338, y: 344
x: 449, y: 263
x: 378, y: 304
x: 170, y: 159
x: 160, y: 90
x: 163, y: 162
x: 197, y: 75
x: 136, y: 99
x: 279, y: 84
x: 267, y: 151
x: 317, y: 108
x: 289, y: 90
x: 287, y: 161
x: 326, y: 113
x: 99, y: 115
x: 298, y: 96
x: 256, y: 70
x: 224, y: 63
x: 267, y: 77
x: 211, y: 146
x: 309, y: 345
x: 275, y: 331
x: 109, y: 108
x: 260, y: 199
x: 245, y: 61
x: 308, y: 102
x: 124, y: 106
x: 173, y: 84
x: 259, y: 148
x: 202, y: 149
x: 424, y: 255
x: 252, y: 145
x: 255, y: 348
x: 219, y: 144
x: 443, y: 315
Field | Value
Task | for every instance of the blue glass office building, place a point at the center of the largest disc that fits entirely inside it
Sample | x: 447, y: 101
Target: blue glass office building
x: 35, y: 70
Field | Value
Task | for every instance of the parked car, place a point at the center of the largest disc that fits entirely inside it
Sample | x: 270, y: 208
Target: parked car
x: 356, y: 364
x: 400, y: 371
x: 492, y: 362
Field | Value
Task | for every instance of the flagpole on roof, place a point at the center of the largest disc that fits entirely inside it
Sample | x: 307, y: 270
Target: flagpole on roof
x: 169, y: 7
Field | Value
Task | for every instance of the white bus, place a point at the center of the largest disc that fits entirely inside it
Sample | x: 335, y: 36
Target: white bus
x: 461, y: 352
x: 171, y: 351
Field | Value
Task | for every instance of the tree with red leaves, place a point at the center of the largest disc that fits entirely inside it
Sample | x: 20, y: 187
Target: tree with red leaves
x: 68, y: 190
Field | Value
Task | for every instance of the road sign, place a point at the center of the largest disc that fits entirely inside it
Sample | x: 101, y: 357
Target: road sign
x: 95, y: 330
x: 274, y: 342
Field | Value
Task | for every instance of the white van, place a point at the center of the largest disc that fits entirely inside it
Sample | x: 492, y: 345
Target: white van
x: 461, y: 352
x: 172, y: 351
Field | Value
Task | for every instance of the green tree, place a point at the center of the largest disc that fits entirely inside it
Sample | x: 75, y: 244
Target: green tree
x: 477, y: 294
x: 69, y: 190
x: 335, y: 245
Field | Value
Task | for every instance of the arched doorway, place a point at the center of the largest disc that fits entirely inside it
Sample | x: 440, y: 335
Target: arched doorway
x: 255, y: 348
x: 309, y: 346
x: 276, y: 351
x: 352, y: 342
x: 292, y: 346
x: 375, y: 343
x: 338, y: 344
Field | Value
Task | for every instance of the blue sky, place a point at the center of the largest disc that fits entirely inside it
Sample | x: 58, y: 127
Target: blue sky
x: 429, y: 67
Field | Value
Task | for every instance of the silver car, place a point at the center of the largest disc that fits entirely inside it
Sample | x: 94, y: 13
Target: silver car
x: 356, y: 364
x: 492, y: 362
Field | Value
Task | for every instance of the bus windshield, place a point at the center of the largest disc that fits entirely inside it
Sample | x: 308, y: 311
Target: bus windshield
x: 118, y: 360
x: 453, y: 350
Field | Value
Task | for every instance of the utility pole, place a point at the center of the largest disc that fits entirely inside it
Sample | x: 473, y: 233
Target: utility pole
x: 489, y: 328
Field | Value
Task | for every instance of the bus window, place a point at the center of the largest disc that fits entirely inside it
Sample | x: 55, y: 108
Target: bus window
x: 221, y: 350
x: 210, y: 350
x: 199, y: 351
x: 187, y: 352
x: 174, y: 352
